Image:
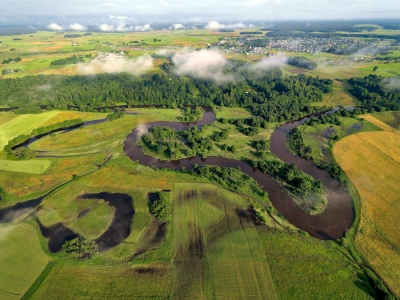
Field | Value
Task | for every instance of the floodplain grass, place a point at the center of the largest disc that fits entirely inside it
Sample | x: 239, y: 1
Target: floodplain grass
x: 22, y: 259
x: 23, y: 124
x: 391, y: 118
x: 372, y: 162
x: 34, y: 166
x: 94, y: 134
x: 87, y: 281
x: 232, y: 113
x: 217, y: 251
x: 307, y: 268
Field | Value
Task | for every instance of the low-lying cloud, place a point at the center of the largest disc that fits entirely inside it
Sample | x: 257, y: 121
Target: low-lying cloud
x: 113, y: 63
x: 54, y: 26
x: 204, y: 64
x: 177, y: 27
x: 74, y: 26
x: 122, y: 27
x: 392, y: 82
x: 77, y: 27
x: 217, y: 25
x: 269, y: 62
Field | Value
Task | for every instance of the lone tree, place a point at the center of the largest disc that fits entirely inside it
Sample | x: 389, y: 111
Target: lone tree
x: 375, y: 68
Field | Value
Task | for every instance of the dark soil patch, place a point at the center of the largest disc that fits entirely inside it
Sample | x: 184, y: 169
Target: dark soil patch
x: 83, y: 213
x: 153, y: 237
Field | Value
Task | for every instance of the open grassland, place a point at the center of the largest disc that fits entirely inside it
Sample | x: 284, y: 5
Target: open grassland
x: 34, y: 166
x: 23, y: 186
x: 217, y: 251
x: 22, y: 260
x: 23, y: 124
x: 340, y: 95
x: 306, y: 268
x: 391, y: 118
x: 69, y: 115
x: 372, y: 162
x: 85, y: 281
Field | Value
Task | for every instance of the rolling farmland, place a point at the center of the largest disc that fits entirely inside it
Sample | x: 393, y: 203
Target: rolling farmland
x: 372, y: 162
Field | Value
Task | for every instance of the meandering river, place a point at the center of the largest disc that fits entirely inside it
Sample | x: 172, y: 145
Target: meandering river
x: 331, y: 224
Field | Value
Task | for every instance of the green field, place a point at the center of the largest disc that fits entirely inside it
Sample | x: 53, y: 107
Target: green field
x: 22, y: 259
x: 23, y: 124
x: 34, y: 166
x: 217, y: 251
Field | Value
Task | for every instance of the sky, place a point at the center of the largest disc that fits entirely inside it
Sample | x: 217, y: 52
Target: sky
x: 94, y: 12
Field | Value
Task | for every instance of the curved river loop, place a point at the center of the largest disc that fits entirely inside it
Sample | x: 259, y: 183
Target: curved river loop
x: 331, y: 224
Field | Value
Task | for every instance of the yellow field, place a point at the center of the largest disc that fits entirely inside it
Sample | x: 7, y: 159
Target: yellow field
x: 372, y: 162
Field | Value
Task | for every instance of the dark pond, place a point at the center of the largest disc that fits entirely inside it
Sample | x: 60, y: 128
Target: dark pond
x: 331, y: 224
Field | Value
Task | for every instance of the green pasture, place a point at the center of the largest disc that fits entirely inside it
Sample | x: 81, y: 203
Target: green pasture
x: 307, y: 268
x: 70, y: 280
x: 22, y: 259
x: 391, y: 118
x: 232, y: 113
x: 34, y: 166
x: 6, y: 116
x: 23, y: 124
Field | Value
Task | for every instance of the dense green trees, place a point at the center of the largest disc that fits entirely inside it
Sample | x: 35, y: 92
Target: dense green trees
x: 162, y: 207
x: 374, y: 90
x: 9, y: 60
x: 68, y: 61
x: 302, y: 62
x: 268, y: 94
x: 115, y: 115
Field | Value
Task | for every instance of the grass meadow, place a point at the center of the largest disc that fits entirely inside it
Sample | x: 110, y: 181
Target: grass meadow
x: 22, y: 259
x: 372, y: 162
x: 391, y: 118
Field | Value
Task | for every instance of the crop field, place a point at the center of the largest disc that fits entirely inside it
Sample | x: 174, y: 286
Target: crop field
x: 217, y: 251
x: 35, y: 166
x: 86, y: 281
x: 23, y: 124
x: 372, y: 162
x: 19, y: 244
x: 299, y: 265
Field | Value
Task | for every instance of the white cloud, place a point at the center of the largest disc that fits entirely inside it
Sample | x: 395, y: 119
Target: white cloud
x: 115, y: 64
x: 146, y: 27
x: 269, y: 62
x: 216, y: 25
x: 54, y: 26
x: 108, y: 4
x: 106, y: 27
x: 204, y: 64
x: 256, y: 2
x: 77, y: 27
x: 178, y: 26
x: 118, y: 17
